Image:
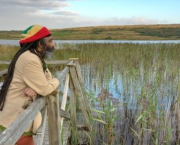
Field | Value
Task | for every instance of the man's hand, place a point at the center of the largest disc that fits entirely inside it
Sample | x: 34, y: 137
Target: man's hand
x: 29, y: 92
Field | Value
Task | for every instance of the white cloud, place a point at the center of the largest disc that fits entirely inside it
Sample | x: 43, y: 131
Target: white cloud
x: 19, y: 14
x: 43, y: 4
x: 132, y: 21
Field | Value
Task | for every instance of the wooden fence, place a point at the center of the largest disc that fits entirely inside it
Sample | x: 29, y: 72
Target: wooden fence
x: 62, y: 120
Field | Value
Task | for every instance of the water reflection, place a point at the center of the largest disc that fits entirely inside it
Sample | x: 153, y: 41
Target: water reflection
x: 150, y: 95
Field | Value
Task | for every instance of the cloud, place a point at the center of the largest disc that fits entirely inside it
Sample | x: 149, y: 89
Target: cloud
x: 82, y: 21
x: 66, y: 13
x: 132, y: 21
x: 42, y: 4
x: 19, y: 14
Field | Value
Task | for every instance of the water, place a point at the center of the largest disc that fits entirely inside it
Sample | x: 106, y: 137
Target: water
x: 16, y: 42
x: 139, y: 81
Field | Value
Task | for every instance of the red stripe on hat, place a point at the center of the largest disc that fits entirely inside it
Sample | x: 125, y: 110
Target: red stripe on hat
x: 40, y: 34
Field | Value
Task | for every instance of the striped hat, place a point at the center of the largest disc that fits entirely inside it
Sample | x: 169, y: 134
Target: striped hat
x: 34, y: 33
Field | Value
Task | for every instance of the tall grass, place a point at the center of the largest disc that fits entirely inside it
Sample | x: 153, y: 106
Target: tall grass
x: 141, y: 82
x: 136, y: 89
x: 6, y: 53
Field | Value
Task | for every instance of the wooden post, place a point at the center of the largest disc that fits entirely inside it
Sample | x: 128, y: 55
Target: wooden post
x: 78, y: 70
x: 38, y: 139
x: 79, y: 94
x: 72, y: 104
x: 64, y: 99
x: 53, y: 119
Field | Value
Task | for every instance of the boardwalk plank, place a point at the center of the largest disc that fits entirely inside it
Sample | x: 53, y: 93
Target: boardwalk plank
x: 66, y: 133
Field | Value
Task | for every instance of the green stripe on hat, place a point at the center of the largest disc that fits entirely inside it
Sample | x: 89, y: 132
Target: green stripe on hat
x: 33, y: 33
x: 25, y: 31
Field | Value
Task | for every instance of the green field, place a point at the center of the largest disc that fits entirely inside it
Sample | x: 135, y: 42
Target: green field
x: 129, y: 32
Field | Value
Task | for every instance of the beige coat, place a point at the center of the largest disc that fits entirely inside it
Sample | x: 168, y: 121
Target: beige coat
x: 28, y: 73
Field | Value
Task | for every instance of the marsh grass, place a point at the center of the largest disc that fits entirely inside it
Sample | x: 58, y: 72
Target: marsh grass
x: 136, y: 86
x: 6, y: 53
x: 143, y: 79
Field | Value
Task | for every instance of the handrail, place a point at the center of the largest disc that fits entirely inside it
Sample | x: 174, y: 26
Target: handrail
x: 50, y: 107
x: 3, y: 72
x: 56, y: 62
x: 59, y: 62
x: 16, y: 129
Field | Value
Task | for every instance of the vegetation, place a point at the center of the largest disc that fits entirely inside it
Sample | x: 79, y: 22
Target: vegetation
x: 128, y: 32
x: 133, y: 89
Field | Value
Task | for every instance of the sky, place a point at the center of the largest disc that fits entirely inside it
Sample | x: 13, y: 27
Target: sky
x: 58, y: 14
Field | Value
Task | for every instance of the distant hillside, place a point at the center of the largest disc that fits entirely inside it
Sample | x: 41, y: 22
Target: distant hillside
x: 128, y: 32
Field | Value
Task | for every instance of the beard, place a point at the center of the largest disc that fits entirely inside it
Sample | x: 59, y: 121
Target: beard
x: 49, y: 53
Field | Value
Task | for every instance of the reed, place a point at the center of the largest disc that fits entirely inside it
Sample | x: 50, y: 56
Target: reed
x: 135, y: 91
x: 144, y: 79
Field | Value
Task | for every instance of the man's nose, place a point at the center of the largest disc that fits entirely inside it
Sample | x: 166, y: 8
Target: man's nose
x: 53, y: 44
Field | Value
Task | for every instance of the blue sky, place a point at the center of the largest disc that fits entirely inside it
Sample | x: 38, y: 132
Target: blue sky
x: 163, y: 10
x: 19, y: 14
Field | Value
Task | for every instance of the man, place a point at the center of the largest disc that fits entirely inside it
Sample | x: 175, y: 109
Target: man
x: 27, y: 76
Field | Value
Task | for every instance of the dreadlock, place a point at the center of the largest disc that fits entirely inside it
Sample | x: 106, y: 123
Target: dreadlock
x: 23, y: 48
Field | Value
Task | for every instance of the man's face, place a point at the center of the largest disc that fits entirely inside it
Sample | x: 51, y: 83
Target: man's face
x: 49, y: 44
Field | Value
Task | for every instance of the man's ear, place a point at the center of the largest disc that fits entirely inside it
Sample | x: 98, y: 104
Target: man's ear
x: 39, y: 44
x: 39, y: 47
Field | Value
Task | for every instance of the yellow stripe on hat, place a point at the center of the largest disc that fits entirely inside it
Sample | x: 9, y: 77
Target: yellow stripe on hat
x: 32, y: 31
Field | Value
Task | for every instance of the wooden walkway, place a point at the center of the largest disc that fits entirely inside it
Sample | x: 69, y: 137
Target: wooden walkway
x: 66, y: 133
x: 59, y: 118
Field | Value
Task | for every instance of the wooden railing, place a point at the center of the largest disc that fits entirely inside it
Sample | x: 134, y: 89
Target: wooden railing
x: 53, y: 111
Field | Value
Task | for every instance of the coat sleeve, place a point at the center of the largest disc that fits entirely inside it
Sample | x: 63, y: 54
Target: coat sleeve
x: 35, y: 78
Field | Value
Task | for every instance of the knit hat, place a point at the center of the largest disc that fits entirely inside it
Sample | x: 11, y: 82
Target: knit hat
x: 34, y: 33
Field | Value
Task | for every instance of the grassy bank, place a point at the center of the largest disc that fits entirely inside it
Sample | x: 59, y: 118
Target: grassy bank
x: 129, y: 32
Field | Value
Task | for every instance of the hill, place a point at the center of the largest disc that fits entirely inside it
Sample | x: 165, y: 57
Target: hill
x: 127, y: 32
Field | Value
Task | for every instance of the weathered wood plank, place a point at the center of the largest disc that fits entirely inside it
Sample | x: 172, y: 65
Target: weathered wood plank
x: 63, y: 74
x: 66, y: 132
x: 53, y: 119
x: 46, y: 135
x: 61, y: 93
x: 17, y: 128
x: 64, y: 99
x: 66, y: 87
x: 3, y: 72
x: 4, y: 62
x: 64, y: 136
x: 73, y: 104
x: 64, y: 114
x: 38, y: 138
x: 79, y: 94
x: 57, y: 62
x: 81, y: 81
